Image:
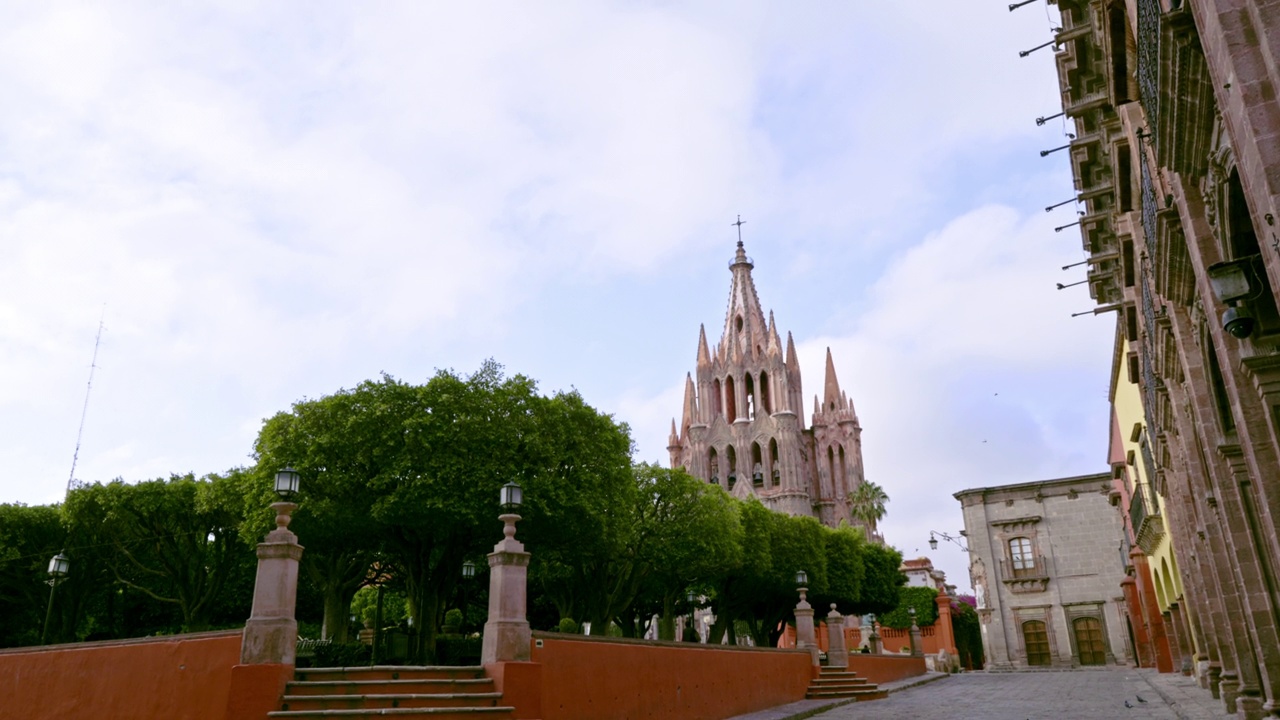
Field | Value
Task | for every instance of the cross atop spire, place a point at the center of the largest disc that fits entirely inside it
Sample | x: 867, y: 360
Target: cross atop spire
x: 740, y: 223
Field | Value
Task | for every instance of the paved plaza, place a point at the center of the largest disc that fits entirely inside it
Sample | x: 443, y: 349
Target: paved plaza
x: 1079, y: 695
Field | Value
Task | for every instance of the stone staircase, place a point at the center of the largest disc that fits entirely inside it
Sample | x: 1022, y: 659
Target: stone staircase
x: 835, y: 683
x: 438, y: 693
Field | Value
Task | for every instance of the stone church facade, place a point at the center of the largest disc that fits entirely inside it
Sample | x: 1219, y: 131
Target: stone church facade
x: 743, y: 426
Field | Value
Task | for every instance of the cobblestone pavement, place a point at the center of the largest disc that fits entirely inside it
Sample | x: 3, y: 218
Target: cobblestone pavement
x: 1078, y: 695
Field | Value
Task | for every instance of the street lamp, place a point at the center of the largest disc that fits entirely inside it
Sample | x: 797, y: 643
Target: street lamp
x: 59, y: 568
x: 468, y: 570
x: 287, y: 483
x: 933, y: 540
x: 511, y: 496
x: 802, y: 578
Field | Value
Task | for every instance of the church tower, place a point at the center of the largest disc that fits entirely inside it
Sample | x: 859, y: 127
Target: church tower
x: 742, y: 426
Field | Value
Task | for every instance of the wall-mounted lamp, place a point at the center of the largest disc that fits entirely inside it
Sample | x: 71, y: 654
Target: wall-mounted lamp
x: 1050, y: 151
x: 1015, y: 6
x: 1024, y: 53
x: 1043, y: 120
x: 1080, y: 282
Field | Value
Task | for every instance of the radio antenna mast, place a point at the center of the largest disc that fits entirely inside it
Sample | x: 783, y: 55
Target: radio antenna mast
x: 93, y: 365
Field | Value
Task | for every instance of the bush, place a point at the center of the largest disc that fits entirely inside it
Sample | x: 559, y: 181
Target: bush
x: 568, y: 625
x: 458, y: 650
x: 922, y: 598
x: 453, y: 620
x: 344, y: 655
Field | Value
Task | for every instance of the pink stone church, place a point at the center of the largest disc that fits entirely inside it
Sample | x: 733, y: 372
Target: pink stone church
x: 743, y: 427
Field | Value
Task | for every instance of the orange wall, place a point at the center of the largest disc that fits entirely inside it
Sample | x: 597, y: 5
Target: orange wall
x: 587, y: 679
x: 179, y: 677
x: 881, y: 669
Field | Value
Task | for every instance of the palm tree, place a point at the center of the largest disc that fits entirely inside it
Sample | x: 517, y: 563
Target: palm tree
x: 868, y: 503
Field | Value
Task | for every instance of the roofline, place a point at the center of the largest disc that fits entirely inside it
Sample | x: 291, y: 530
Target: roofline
x: 1038, y: 483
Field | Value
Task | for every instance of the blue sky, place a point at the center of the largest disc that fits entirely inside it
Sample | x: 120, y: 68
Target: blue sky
x: 275, y: 202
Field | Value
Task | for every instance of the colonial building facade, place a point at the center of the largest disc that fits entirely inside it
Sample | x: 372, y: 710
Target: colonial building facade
x: 1045, y: 572
x: 743, y: 425
x: 1175, y: 114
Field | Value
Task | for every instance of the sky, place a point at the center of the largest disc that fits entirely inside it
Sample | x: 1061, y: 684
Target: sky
x: 265, y: 202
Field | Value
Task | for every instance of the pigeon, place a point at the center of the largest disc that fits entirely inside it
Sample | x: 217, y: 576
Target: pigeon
x: 1140, y: 698
x: 1127, y: 704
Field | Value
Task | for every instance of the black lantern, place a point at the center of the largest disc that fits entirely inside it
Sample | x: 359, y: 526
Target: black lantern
x: 511, y: 496
x: 802, y: 578
x: 468, y: 569
x: 933, y: 542
x: 287, y: 483
x: 59, y: 568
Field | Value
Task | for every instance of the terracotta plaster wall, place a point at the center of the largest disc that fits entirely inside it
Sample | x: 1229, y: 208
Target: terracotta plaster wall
x: 588, y: 679
x: 179, y: 677
x: 880, y: 669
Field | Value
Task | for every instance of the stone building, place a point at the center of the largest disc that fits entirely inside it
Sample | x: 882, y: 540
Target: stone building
x: 1175, y: 118
x: 1046, y: 572
x: 743, y: 423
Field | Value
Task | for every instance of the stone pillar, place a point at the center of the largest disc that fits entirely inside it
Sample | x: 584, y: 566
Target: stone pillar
x: 946, y: 631
x: 1150, y: 611
x: 917, y: 645
x: 271, y: 634
x: 1143, y: 652
x: 805, y: 638
x: 874, y: 638
x: 837, y: 652
x: 506, y: 634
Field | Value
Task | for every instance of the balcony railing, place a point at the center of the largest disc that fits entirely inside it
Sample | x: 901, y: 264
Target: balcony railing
x: 1026, y: 569
x: 1148, y: 39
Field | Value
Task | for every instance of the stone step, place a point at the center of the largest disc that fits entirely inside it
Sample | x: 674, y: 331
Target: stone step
x: 390, y: 672
x: 397, y: 700
x: 389, y: 687
x: 860, y: 694
x: 841, y: 686
x: 486, y: 713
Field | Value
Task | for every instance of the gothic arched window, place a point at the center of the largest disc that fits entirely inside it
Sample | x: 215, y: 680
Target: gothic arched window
x: 730, y: 399
x: 767, y: 402
x: 713, y: 466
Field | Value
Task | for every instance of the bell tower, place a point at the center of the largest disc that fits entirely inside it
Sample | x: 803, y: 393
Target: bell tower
x: 742, y: 425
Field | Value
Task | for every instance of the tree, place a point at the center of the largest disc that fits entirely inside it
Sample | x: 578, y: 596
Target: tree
x: 422, y: 465
x: 868, y: 503
x: 176, y: 541
x: 761, y: 592
x: 29, y: 537
x: 689, y: 531
x: 883, y: 579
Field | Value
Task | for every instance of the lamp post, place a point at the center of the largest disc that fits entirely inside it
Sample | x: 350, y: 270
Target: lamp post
x: 934, y: 535
x: 59, y: 568
x: 805, y: 639
x: 691, y: 597
x: 271, y: 634
x: 468, y: 572
x: 506, y: 634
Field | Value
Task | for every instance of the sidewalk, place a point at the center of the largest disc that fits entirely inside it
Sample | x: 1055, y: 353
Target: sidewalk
x: 1182, y: 694
x: 809, y: 708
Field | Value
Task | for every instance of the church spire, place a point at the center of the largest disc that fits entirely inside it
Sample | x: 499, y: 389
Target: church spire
x: 690, y: 403
x: 831, y: 395
x: 744, y: 322
x: 704, y: 355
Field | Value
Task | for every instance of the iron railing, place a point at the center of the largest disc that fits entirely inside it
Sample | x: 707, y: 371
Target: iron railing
x: 1030, y: 568
x: 1148, y: 39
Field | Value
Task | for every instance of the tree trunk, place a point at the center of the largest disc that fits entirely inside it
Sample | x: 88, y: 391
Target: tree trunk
x: 667, y: 621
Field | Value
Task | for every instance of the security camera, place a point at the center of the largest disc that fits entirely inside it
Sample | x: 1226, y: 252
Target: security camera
x: 1238, y: 321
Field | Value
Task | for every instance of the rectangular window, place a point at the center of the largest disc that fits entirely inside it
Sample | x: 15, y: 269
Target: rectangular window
x: 1134, y: 368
